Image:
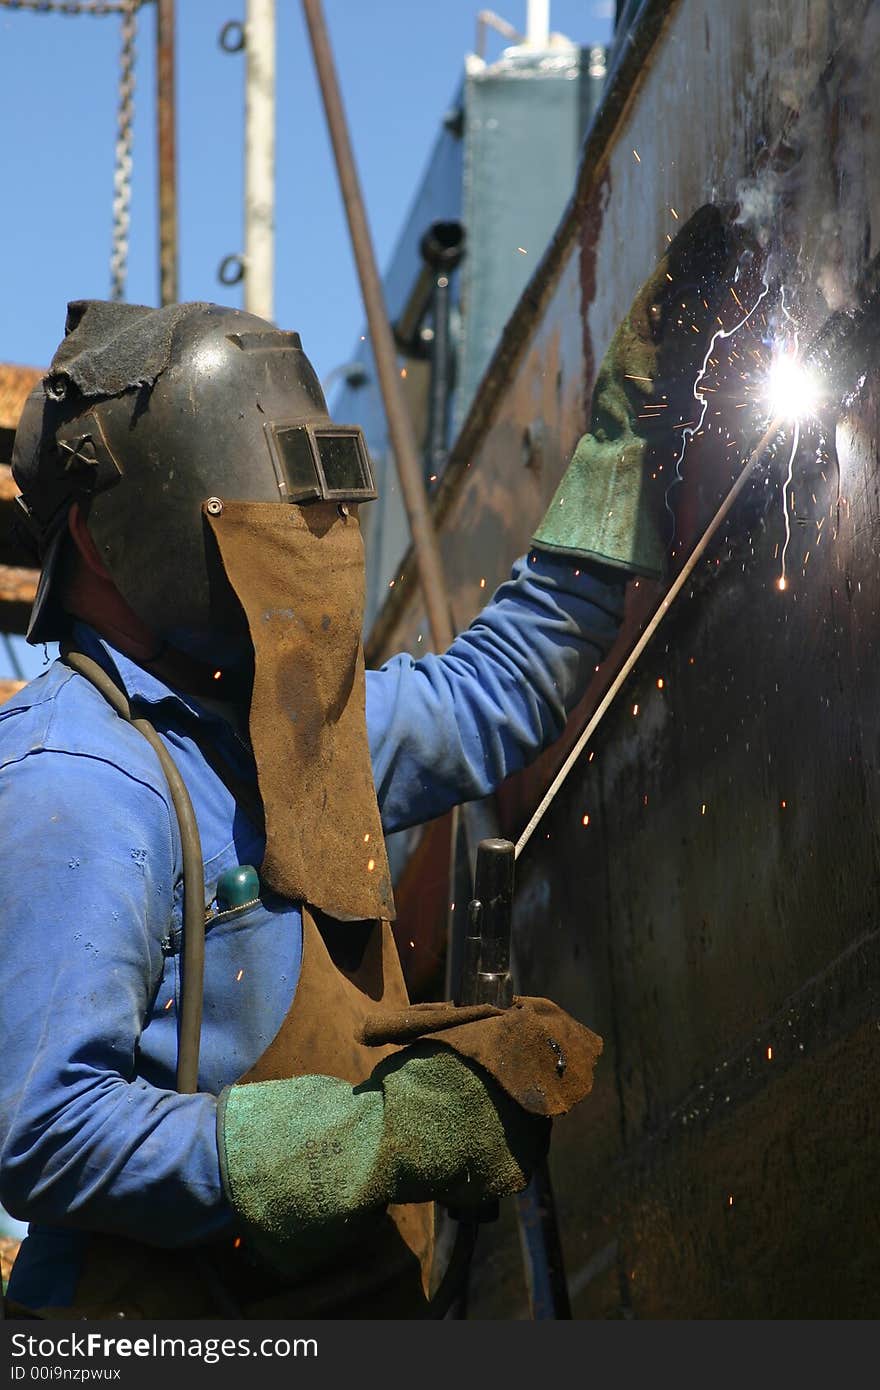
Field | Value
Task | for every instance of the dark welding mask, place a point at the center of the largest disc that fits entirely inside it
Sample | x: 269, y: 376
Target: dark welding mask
x: 223, y: 502
x: 144, y: 414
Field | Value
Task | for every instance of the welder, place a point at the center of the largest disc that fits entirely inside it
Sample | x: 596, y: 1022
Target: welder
x: 195, y: 513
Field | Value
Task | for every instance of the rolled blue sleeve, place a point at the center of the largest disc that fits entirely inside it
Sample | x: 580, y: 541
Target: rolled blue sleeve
x: 446, y: 729
x: 88, y: 870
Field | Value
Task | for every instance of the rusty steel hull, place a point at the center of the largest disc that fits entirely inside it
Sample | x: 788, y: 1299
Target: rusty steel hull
x: 716, y: 920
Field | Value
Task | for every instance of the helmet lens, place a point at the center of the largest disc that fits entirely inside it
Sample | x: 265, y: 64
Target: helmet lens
x: 320, y: 463
x: 341, y: 463
x: 298, y: 475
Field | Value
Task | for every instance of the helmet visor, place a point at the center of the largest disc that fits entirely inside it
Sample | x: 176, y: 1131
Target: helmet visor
x: 320, y: 463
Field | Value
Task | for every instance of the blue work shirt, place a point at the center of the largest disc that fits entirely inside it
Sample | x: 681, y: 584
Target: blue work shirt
x: 93, y: 1135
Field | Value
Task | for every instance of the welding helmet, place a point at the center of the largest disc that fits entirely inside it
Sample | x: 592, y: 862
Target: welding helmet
x: 144, y: 416
x: 223, y: 502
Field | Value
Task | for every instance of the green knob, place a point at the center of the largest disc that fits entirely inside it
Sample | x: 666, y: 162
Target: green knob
x: 237, y: 886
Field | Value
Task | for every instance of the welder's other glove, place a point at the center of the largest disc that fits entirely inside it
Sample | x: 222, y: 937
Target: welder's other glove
x: 608, y: 506
x: 308, y: 1163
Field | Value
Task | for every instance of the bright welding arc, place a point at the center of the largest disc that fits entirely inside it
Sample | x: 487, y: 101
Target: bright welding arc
x: 792, y: 391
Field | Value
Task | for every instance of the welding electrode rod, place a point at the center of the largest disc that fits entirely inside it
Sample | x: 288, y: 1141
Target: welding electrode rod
x: 400, y: 427
x: 674, y: 590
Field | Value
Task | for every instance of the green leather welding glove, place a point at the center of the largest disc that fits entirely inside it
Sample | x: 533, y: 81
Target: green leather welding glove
x: 610, y: 505
x: 309, y: 1162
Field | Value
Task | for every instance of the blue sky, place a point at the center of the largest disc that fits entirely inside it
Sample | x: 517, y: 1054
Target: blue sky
x: 399, y: 65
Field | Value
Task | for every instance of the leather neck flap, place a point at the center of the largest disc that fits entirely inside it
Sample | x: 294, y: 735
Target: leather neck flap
x: 298, y: 574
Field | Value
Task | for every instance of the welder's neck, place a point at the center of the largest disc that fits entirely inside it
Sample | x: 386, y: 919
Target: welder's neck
x: 95, y: 600
x: 226, y: 692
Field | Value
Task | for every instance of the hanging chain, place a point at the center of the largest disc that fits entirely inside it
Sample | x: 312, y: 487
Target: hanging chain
x: 66, y: 6
x: 125, y: 115
x: 122, y: 166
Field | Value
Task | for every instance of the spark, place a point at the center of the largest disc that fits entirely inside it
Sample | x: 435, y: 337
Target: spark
x: 637, y: 157
x: 168, y: 1005
x: 217, y: 675
x: 694, y: 428
x: 367, y: 838
x: 785, y: 511
x: 659, y: 682
x: 674, y: 213
x: 238, y: 976
x: 635, y: 710
x: 371, y: 864
x: 730, y: 1201
x: 522, y: 250
x: 585, y: 820
x: 482, y: 583
x: 403, y: 372
x: 703, y: 809
x: 769, y: 1054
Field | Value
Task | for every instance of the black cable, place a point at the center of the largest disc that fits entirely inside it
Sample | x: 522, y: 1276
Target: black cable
x: 193, y: 954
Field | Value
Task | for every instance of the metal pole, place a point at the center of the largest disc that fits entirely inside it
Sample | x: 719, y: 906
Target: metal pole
x: 538, y: 23
x: 167, y: 156
x: 406, y: 454
x: 259, y: 160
